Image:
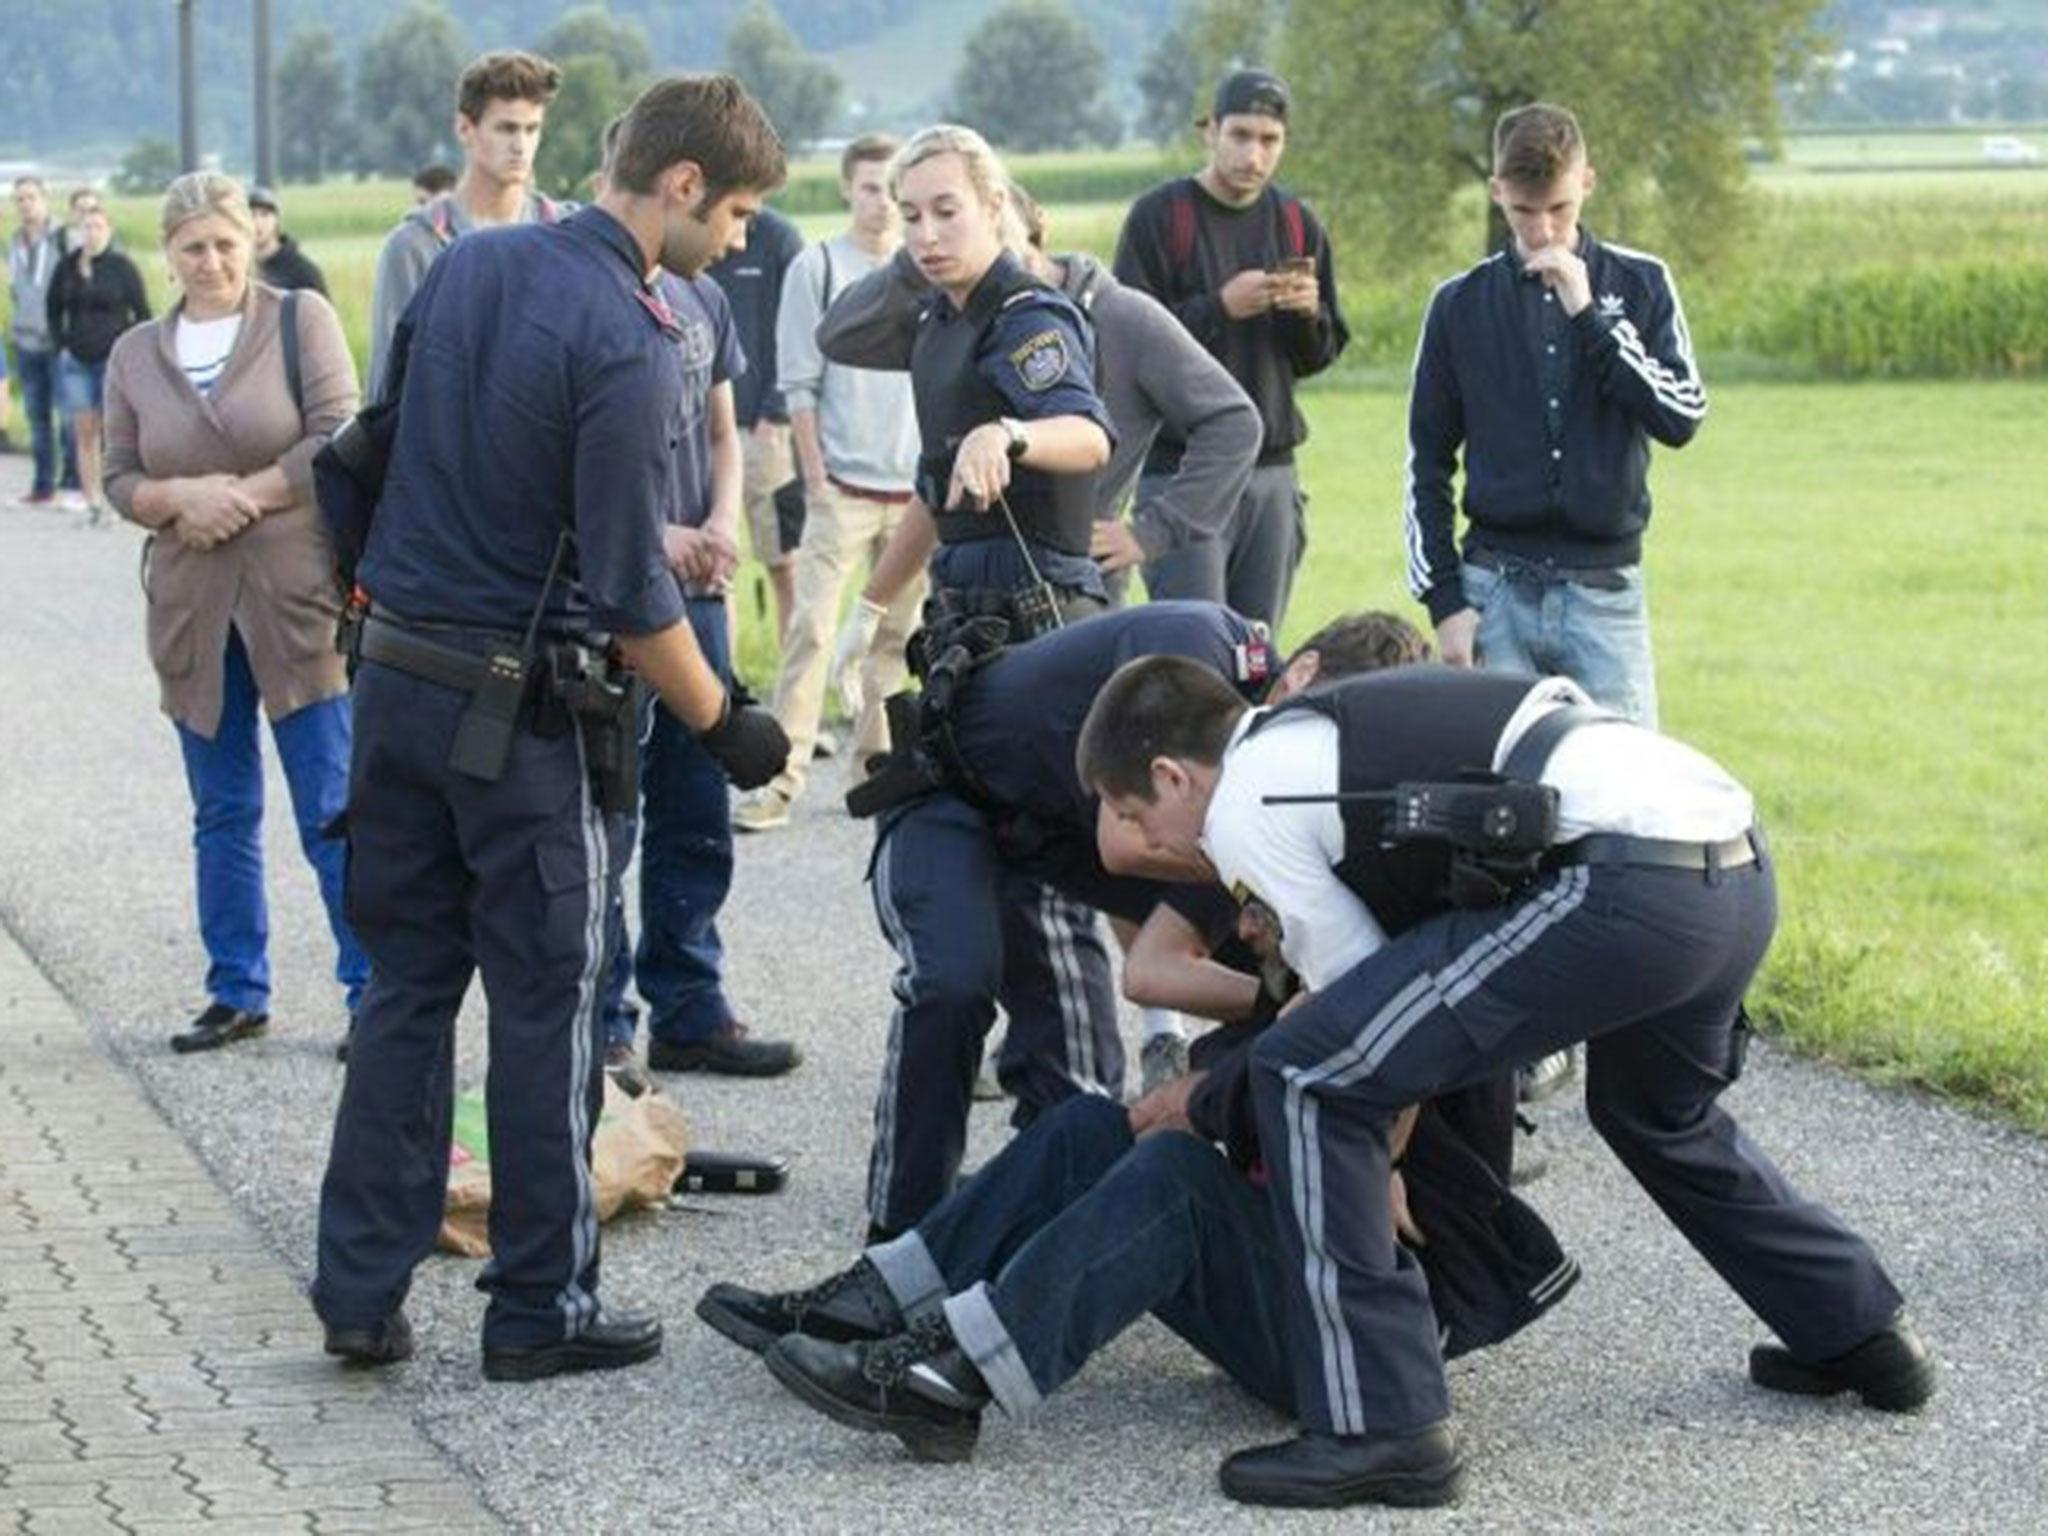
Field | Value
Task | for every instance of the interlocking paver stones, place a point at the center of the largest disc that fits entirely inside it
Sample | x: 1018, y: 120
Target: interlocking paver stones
x: 158, y: 1370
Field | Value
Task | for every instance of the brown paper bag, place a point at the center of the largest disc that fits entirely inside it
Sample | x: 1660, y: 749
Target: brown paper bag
x: 635, y: 1158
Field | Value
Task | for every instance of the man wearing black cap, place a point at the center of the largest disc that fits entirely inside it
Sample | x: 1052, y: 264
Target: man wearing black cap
x: 280, y: 262
x: 1246, y: 267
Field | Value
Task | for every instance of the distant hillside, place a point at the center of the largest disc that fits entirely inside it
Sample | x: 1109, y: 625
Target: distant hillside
x: 87, y: 77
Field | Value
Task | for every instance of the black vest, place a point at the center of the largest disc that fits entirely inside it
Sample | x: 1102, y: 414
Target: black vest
x: 953, y: 399
x: 1426, y: 723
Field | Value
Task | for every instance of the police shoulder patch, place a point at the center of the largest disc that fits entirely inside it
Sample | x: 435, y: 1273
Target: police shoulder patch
x: 1042, y: 361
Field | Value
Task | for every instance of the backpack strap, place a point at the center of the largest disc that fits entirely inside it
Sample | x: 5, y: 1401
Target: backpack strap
x: 441, y: 222
x: 288, y: 335
x: 1295, y: 226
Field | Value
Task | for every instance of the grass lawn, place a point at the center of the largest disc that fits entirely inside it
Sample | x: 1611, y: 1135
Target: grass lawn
x: 1850, y: 606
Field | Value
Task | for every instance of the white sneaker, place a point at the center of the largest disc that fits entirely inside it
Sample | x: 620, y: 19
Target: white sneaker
x: 72, y: 501
x: 762, y: 811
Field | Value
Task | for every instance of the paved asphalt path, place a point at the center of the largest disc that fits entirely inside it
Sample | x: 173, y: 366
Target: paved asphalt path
x: 1627, y: 1409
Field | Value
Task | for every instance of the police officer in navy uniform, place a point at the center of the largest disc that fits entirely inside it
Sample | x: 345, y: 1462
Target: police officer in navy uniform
x: 1012, y: 435
x: 1002, y: 811
x: 539, y: 381
x: 1625, y: 900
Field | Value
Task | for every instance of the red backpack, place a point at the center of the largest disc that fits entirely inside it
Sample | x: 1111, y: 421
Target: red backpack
x: 1180, y: 222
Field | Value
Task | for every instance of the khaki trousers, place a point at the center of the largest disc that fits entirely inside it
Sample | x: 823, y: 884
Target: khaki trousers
x: 842, y: 533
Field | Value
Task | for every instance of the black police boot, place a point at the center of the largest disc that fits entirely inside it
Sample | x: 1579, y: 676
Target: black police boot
x: 382, y: 1343
x: 1318, y: 1471
x: 845, y: 1308
x: 1891, y: 1370
x: 219, y: 1025
x: 615, y: 1340
x: 917, y: 1386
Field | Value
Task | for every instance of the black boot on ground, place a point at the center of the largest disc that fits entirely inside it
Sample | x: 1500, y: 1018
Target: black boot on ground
x: 849, y: 1307
x: 917, y: 1386
x: 1317, y: 1471
x: 1891, y: 1370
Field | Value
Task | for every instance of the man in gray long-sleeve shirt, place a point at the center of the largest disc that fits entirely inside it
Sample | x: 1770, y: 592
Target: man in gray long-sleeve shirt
x: 854, y: 434
x: 501, y: 104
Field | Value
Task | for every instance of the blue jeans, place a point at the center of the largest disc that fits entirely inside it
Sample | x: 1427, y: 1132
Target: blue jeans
x: 685, y: 871
x: 1533, y: 620
x: 1073, y: 1232
x: 38, y: 372
x: 226, y: 778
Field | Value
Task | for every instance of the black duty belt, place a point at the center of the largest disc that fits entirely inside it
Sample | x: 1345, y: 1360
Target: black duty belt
x: 1602, y: 578
x: 408, y: 651
x: 1659, y: 853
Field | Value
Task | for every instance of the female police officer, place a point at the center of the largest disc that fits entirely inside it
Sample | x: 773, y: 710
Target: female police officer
x: 1013, y: 434
x: 1003, y: 369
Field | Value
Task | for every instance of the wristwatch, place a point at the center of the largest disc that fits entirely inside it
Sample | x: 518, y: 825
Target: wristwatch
x: 1020, y: 440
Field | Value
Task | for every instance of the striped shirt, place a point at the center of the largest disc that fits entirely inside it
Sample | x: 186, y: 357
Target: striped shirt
x: 204, y: 347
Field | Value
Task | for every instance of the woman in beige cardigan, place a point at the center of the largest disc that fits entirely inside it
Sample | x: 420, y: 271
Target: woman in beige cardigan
x: 207, y: 447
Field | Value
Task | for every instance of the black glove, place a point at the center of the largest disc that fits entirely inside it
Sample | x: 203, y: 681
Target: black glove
x: 748, y: 742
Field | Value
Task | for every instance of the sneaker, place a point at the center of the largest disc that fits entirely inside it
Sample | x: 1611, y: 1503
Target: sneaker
x: 917, y: 1386
x: 1538, y: 1080
x: 72, y: 501
x: 762, y: 811
x: 36, y: 499
x: 850, y: 1307
x: 1160, y: 1060
x: 623, y: 1067
x: 826, y: 746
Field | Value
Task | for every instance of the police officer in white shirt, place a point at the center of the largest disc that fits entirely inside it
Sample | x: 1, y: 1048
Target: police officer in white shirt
x: 1634, y: 923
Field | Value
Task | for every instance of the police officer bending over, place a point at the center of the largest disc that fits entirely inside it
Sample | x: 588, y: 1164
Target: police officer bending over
x: 539, y: 380
x: 1096, y: 1214
x: 1607, y: 885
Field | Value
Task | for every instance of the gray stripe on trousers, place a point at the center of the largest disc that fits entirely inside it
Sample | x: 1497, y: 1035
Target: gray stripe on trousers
x: 1360, y: 1056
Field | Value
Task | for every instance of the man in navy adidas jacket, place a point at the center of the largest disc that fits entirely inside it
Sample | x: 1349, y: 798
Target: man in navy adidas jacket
x: 1551, y: 364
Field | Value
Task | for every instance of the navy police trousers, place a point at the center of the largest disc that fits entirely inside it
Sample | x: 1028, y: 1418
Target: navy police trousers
x: 967, y: 930
x: 1648, y: 966
x: 450, y: 876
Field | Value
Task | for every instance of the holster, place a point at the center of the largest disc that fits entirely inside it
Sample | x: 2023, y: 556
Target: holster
x: 604, y: 700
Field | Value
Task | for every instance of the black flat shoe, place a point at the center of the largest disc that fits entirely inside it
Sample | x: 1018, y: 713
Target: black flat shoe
x: 615, y: 1340
x: 1317, y: 1471
x: 383, y: 1343
x: 1891, y: 1370
x: 220, y: 1025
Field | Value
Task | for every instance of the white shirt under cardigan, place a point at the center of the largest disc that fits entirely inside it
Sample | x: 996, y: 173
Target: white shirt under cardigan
x: 1616, y: 778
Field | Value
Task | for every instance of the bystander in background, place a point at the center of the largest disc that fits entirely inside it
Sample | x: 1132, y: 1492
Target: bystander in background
x: 96, y: 295
x: 212, y: 424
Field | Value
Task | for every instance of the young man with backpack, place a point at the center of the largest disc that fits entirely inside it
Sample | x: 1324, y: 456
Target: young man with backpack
x: 1246, y: 267
x: 501, y: 103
